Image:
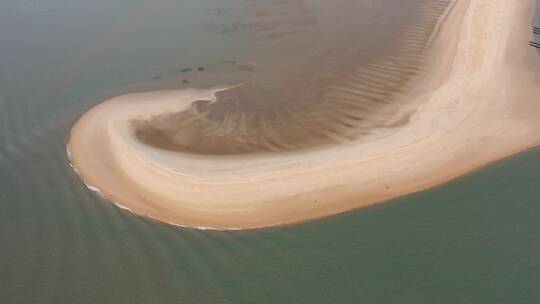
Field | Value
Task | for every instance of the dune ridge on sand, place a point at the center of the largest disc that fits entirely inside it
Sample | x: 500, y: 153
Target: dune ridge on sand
x: 479, y: 103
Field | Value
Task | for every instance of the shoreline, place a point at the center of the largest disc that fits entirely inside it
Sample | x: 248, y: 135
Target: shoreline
x: 468, y: 87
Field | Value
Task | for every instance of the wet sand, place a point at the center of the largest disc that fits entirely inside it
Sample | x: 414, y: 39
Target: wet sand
x: 319, y: 81
x: 476, y: 103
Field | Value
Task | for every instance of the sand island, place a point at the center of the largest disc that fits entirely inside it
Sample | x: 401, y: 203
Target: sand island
x: 458, y: 93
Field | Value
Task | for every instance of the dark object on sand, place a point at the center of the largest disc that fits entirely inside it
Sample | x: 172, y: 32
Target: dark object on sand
x: 200, y: 69
x: 185, y: 70
x: 534, y: 44
x: 184, y: 81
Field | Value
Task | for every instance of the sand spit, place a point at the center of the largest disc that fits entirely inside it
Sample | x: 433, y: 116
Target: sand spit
x: 478, y: 104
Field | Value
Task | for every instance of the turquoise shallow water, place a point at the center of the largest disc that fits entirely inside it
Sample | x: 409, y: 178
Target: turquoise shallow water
x: 474, y: 240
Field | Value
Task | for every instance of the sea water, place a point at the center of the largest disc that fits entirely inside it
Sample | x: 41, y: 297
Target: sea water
x: 474, y: 240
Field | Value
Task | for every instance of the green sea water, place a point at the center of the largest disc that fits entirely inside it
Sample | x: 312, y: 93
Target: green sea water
x: 474, y: 240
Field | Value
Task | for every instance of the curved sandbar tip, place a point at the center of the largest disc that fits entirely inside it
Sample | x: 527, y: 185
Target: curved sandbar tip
x: 479, y: 104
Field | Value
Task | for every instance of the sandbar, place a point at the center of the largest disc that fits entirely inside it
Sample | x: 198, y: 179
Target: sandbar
x: 479, y: 102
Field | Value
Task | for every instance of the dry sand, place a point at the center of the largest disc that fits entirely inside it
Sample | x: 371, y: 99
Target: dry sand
x: 479, y: 103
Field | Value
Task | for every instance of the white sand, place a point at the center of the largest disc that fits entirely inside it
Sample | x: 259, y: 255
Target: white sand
x: 480, y: 103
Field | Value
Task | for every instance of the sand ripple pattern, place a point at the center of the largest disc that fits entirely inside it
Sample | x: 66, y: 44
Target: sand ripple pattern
x: 333, y: 103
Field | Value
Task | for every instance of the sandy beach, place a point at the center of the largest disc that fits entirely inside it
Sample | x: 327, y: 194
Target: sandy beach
x: 475, y: 104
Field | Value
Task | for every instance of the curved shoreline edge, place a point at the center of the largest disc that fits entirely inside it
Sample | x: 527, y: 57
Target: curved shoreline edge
x: 478, y: 107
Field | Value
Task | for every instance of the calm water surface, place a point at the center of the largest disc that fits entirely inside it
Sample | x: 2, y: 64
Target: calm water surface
x: 475, y: 240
